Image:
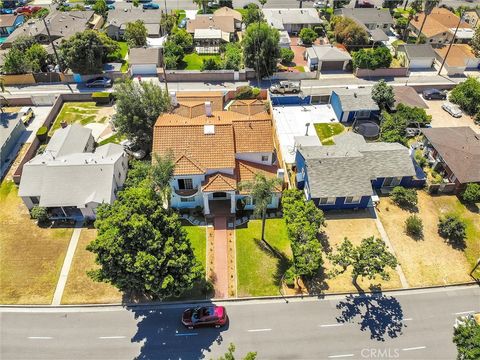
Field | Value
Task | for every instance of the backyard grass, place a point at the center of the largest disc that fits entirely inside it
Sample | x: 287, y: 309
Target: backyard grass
x: 355, y: 226
x: 82, y: 113
x: 31, y: 257
x: 115, y: 138
x: 429, y: 261
x: 80, y: 288
x: 258, y: 271
x: 300, y: 68
x: 194, y: 61
x: 326, y: 131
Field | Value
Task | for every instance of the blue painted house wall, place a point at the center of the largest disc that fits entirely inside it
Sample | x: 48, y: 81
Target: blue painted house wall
x: 289, y: 100
x: 7, y: 30
x: 340, y: 204
x: 336, y: 105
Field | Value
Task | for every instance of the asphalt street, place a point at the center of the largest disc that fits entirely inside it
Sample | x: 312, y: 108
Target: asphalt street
x: 402, y: 325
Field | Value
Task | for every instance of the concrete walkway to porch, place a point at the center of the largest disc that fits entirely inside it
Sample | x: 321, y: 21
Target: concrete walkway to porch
x: 220, y: 266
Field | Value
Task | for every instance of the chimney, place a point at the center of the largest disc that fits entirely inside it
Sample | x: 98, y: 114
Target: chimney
x: 173, y: 98
x: 208, y: 108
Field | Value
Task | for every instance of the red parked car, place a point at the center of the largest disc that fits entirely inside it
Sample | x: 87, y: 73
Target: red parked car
x: 211, y: 315
x: 27, y: 9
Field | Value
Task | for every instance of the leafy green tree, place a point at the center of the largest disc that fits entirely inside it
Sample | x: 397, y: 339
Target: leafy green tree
x: 369, y: 259
x: 252, y: 14
x: 40, y: 214
x: 414, y: 226
x: 210, y: 64
x: 261, y: 191
x: 415, y: 8
x: 383, y: 95
x: 168, y: 23
x: 428, y: 6
x: 401, y: 24
x: 23, y: 42
x: 85, y: 52
x: 142, y: 248
x: 466, y: 336
x: 38, y: 57
x: 138, y: 107
x: 232, y: 57
x: 182, y: 38
x: 173, y: 54
x: 260, y: 48
x: 230, y: 354
x: 348, y: 32
x: 471, y: 194
x: 136, y: 3
x: 453, y: 229
x: 136, y: 34
x: 475, y: 43
x: 287, y: 55
x: 403, y: 197
x: 100, y: 8
x: 161, y: 175
x: 391, y: 4
x: 308, y: 36
x: 467, y: 95
x: 170, y: 62
x: 139, y: 171
x: 372, y: 59
x: 15, y: 62
x: 393, y: 126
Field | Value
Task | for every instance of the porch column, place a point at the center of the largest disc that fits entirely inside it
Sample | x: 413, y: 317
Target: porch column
x: 232, y: 203
x: 206, y: 208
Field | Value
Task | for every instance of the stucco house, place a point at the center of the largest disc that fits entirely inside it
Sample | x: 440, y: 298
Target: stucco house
x: 11, y: 130
x: 118, y: 18
x: 459, y: 59
x: 344, y: 175
x: 144, y: 61
x: 352, y: 104
x: 71, y: 178
x: 216, y: 149
x: 226, y: 11
x: 417, y: 56
x: 376, y: 22
x: 292, y: 20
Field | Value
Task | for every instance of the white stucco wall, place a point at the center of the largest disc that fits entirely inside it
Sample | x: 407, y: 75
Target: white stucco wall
x: 255, y: 157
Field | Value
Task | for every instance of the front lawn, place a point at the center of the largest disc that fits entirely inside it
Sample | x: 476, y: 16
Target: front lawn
x: 31, y: 257
x: 258, y: 271
x: 198, y: 239
x: 326, y: 131
x: 194, y: 61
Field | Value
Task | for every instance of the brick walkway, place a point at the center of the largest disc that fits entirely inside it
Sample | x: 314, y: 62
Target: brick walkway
x: 220, y: 266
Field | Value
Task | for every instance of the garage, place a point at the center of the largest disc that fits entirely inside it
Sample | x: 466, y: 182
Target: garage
x: 331, y: 65
x: 418, y: 56
x: 420, y: 63
x: 327, y: 58
x: 144, y: 61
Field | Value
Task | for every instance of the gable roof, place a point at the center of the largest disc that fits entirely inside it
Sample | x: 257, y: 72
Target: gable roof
x: 459, y: 147
x: 226, y: 11
x: 219, y: 182
x: 247, y: 170
x: 69, y: 140
x: 367, y: 15
x: 187, y: 166
x: 200, y: 34
x: 419, y: 51
x: 120, y: 16
x: 458, y: 56
x: 439, y: 21
x: 277, y: 18
x: 330, y: 53
x: 209, y: 21
x: 356, y: 99
x: 408, y: 95
x: 347, y: 168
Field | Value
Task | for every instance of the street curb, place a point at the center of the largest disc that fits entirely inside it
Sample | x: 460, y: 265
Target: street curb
x: 244, y: 299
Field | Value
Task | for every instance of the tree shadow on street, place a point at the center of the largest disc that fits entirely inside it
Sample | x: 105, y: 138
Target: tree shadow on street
x: 163, y: 336
x: 380, y: 314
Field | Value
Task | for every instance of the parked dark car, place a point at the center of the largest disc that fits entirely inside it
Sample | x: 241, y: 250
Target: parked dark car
x: 152, y: 6
x: 101, y: 81
x: 210, y: 315
x: 434, y: 94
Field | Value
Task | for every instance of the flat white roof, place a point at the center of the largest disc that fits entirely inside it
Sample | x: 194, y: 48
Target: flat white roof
x: 463, y: 33
x: 290, y: 122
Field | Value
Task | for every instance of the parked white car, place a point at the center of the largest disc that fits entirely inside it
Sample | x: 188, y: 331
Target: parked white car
x: 452, y: 109
x: 320, y: 4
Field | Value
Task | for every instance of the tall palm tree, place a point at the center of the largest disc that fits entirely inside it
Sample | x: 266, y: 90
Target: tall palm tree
x: 415, y: 7
x: 202, y: 4
x: 261, y: 190
x: 161, y: 175
x: 427, y: 9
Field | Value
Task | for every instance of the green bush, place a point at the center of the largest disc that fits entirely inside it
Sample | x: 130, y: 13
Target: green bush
x: 420, y: 159
x: 405, y: 198
x: 414, y: 226
x: 287, y: 55
x: 308, y: 36
x: 244, y: 92
x: 289, y: 277
x: 471, y: 194
x: 210, y: 64
x: 372, y: 59
x: 42, y: 133
x: 467, y: 96
x: 101, y: 97
x: 40, y: 214
x: 452, y: 228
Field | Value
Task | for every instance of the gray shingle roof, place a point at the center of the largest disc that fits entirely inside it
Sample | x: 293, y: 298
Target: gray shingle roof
x: 329, y: 53
x: 138, y: 56
x: 69, y: 140
x: 121, y: 16
x: 367, y: 15
x: 356, y: 99
x: 420, y: 51
x: 8, y: 123
x: 279, y: 17
x: 347, y: 168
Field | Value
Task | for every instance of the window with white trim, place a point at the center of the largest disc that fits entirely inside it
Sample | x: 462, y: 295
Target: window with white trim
x: 185, y: 184
x: 187, y: 199
x: 352, y: 199
x: 326, y: 201
x: 264, y: 158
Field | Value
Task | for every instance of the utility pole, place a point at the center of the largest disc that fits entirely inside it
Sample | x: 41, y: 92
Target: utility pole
x: 164, y: 72
x: 451, y: 43
x: 53, y: 45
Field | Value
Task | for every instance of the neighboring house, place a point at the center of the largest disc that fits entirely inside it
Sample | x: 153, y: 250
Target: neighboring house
x: 118, y: 19
x: 327, y: 57
x: 11, y: 130
x: 292, y: 20
x: 226, y: 11
x: 343, y: 176
x: 471, y: 17
x: 376, y: 22
x: 440, y: 27
x: 69, y: 178
x: 8, y: 23
x: 419, y: 56
x: 208, y: 41
x: 144, y: 61
x: 459, y: 59
x: 352, y: 104
x: 455, y: 152
x: 284, y: 40
x: 215, y: 150
x: 223, y: 23
x: 61, y: 25
x: 407, y: 95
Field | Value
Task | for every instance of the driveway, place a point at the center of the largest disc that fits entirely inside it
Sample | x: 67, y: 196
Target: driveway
x: 440, y: 118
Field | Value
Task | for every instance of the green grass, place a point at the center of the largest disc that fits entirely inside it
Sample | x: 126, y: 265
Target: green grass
x: 194, y: 61
x: 77, y: 112
x: 300, y: 68
x: 397, y: 43
x: 115, y: 138
x: 242, y: 11
x: 326, y: 131
x: 198, y: 239
x: 258, y: 271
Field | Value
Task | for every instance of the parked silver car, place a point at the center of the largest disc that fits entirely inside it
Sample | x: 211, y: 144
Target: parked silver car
x: 452, y: 109
x: 133, y: 150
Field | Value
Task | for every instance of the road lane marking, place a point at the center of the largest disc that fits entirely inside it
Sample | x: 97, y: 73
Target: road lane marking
x: 464, y: 312
x: 414, y: 348
x: 340, y: 356
x: 111, y: 337
x: 186, y: 334
x: 40, y: 337
x: 258, y: 330
x: 331, y: 325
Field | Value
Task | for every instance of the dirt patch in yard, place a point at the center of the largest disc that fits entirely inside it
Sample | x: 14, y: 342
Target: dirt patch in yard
x: 30, y: 256
x: 430, y: 261
x: 355, y: 226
